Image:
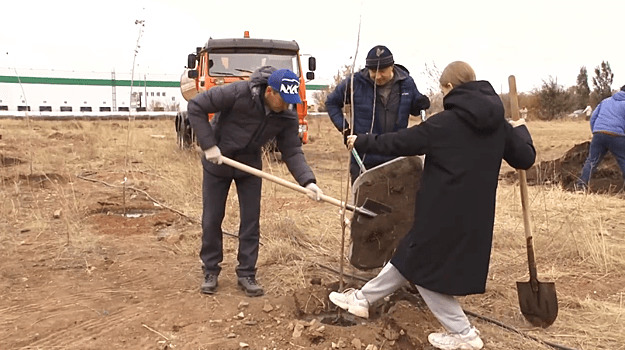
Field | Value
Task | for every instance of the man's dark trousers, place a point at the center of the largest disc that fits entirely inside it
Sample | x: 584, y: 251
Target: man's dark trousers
x: 215, y: 187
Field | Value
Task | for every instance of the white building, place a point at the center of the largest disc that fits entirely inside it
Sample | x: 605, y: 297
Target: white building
x: 65, y: 91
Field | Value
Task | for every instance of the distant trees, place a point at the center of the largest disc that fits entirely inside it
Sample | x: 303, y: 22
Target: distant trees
x: 602, y: 82
x: 554, y: 100
x: 582, y: 90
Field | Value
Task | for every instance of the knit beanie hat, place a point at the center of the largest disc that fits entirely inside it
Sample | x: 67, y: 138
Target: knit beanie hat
x: 379, y: 57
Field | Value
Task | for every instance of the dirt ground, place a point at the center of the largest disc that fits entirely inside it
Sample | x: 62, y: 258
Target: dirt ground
x: 86, y: 263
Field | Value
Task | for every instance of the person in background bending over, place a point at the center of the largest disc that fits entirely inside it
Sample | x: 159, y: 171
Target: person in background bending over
x: 607, y: 124
x: 447, y: 250
x: 250, y: 114
x: 382, y: 87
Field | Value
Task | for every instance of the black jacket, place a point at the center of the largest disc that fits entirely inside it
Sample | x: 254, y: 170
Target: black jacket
x: 242, y: 126
x: 447, y: 250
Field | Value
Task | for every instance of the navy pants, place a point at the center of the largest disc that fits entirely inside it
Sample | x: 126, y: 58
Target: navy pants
x: 600, y: 145
x: 215, y: 187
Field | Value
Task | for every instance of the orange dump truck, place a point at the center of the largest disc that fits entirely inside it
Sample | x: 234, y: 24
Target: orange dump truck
x: 223, y: 61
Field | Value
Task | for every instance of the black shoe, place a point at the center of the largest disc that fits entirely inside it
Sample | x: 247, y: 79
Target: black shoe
x: 210, y: 284
x: 250, y: 286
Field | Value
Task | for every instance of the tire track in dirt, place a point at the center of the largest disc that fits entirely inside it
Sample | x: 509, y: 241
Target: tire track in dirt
x: 116, y: 300
x: 107, y: 324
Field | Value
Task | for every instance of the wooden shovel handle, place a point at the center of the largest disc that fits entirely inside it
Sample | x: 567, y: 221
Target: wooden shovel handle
x: 514, y: 109
x: 250, y: 170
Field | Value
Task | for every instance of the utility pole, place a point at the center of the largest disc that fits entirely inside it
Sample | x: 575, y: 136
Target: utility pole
x: 145, y: 86
x: 113, y: 84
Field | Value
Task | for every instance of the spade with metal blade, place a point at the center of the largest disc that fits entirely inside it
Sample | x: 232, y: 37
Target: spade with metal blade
x: 370, y: 208
x: 538, y: 300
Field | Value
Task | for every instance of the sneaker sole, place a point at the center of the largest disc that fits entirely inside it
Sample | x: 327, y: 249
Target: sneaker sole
x: 354, y: 310
x: 464, y: 346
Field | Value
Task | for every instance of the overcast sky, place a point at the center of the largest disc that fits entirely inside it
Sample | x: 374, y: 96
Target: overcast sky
x: 532, y: 39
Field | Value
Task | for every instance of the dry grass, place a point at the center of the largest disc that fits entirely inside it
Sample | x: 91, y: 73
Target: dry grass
x: 579, y: 239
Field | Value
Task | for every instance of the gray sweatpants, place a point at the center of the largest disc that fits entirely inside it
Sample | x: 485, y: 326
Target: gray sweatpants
x: 445, y: 307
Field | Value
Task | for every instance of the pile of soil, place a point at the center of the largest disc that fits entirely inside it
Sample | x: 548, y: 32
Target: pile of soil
x: 566, y: 170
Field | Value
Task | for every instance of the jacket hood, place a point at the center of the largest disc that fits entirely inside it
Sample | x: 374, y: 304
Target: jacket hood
x: 619, y: 96
x: 477, y: 103
x: 260, y: 76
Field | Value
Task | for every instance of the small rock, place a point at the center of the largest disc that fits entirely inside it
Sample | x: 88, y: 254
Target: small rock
x: 321, y: 329
x: 57, y: 214
x: 390, y: 334
x: 239, y: 316
x: 250, y: 323
x: 243, y: 304
x: 297, y: 332
x: 371, y: 347
x: 244, y: 345
x: 231, y: 335
x: 356, y: 343
x: 267, y: 307
x: 342, y: 343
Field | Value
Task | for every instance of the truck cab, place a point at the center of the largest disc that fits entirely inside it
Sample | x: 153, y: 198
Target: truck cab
x: 223, y: 61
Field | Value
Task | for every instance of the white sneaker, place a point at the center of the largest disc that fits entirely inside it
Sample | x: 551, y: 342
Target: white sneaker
x: 348, y: 301
x: 456, y: 341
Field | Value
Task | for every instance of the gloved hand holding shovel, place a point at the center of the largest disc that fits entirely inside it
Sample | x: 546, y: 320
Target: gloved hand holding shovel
x: 213, y: 155
x: 315, y: 191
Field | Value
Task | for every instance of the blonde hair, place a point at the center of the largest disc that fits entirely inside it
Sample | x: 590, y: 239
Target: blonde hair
x: 456, y: 73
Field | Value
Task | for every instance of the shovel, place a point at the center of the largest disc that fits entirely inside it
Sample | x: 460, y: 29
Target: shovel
x: 370, y: 208
x: 538, y: 300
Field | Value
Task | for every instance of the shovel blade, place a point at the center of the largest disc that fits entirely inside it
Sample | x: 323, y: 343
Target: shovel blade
x: 539, y: 307
x: 376, y: 207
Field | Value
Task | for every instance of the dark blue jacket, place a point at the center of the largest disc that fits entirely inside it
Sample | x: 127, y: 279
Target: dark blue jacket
x: 411, y: 101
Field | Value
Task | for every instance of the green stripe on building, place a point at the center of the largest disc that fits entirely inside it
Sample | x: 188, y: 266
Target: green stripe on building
x: 104, y: 82
x: 93, y: 82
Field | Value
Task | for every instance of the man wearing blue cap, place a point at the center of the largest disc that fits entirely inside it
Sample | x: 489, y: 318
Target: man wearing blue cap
x: 385, y: 95
x: 250, y: 113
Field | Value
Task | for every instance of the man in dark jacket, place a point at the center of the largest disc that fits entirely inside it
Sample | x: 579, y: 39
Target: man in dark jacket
x: 250, y: 113
x: 384, y: 87
x: 447, y: 250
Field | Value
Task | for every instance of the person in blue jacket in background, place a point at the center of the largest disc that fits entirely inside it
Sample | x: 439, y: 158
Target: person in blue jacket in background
x: 607, y: 124
x: 384, y: 87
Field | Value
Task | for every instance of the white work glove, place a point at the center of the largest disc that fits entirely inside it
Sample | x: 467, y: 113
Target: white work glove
x: 350, y: 141
x: 213, y: 155
x: 315, y: 192
x: 516, y: 123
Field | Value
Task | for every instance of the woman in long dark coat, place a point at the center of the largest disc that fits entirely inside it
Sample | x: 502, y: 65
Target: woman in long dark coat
x: 447, y: 250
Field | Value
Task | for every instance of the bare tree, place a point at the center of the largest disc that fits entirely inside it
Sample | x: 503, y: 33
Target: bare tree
x: 602, y: 82
x: 554, y: 100
x: 582, y: 90
x: 432, y: 76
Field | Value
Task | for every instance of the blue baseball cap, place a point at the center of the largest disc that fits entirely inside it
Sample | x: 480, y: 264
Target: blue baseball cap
x: 287, y: 83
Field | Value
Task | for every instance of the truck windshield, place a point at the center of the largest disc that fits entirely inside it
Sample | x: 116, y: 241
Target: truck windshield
x: 243, y: 64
